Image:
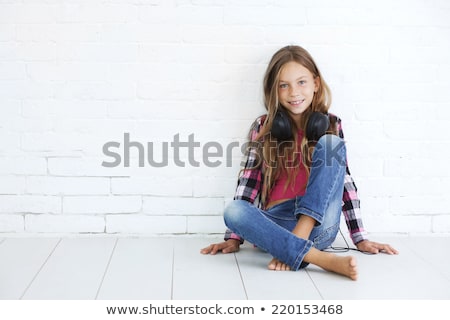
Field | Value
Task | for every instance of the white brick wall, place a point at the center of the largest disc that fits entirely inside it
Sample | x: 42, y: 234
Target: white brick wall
x: 75, y: 75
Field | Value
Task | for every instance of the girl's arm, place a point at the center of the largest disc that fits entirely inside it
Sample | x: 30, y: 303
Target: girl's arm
x: 250, y: 179
x: 351, y: 206
x: 351, y: 210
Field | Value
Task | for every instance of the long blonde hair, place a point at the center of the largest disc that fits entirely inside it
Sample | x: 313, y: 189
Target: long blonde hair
x: 282, y: 156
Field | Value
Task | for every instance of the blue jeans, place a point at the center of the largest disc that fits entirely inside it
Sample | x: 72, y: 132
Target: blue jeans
x: 271, y: 230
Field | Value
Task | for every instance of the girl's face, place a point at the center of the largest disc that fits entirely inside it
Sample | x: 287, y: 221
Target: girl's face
x: 296, y: 88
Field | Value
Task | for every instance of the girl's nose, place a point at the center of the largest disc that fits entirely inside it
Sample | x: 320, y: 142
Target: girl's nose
x: 293, y: 92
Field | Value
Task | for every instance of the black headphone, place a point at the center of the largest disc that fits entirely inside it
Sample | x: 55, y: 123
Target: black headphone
x: 317, y: 125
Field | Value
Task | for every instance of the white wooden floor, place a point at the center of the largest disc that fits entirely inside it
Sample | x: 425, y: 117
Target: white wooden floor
x: 172, y: 268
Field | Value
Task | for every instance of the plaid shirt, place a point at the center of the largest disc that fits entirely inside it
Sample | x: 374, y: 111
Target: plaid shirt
x: 250, y: 184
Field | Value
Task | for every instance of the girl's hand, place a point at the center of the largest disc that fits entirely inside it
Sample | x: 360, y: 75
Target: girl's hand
x: 229, y: 246
x: 375, y: 247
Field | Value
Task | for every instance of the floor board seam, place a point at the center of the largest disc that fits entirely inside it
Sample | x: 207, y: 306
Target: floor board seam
x: 240, y: 275
x: 40, y: 269
x: 314, y: 284
x: 106, y: 268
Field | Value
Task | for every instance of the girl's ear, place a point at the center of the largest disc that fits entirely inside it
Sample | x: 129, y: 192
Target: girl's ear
x: 316, y: 84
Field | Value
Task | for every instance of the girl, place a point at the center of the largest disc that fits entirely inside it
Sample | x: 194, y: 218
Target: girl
x: 301, y: 186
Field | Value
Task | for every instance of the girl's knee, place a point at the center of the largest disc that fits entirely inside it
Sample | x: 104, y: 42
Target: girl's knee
x: 331, y: 141
x: 330, y: 148
x: 234, y: 212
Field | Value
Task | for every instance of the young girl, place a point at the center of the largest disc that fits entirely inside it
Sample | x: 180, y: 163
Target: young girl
x: 301, y: 186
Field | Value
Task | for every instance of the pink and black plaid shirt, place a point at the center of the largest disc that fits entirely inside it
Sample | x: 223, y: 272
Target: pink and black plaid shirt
x: 250, y: 184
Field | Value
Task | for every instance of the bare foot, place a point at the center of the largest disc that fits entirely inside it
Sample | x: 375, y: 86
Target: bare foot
x: 343, y: 265
x: 277, y: 265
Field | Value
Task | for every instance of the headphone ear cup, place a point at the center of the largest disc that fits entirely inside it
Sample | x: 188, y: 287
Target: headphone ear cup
x: 281, y: 126
x: 317, y: 126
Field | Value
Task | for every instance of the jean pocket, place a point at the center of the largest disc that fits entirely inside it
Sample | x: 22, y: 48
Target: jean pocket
x: 326, y: 237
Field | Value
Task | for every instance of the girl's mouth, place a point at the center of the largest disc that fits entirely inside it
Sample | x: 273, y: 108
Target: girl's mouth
x: 296, y: 102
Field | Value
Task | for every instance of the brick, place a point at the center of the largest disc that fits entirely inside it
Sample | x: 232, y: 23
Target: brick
x: 158, y: 15
x: 76, y: 71
x: 12, y: 71
x: 151, y: 33
x: 30, y: 203
x: 101, y: 204
x: 366, y: 167
x: 347, y: 16
x: 374, y: 205
x: 419, y: 205
x: 199, y: 54
x: 37, y: 51
x: 105, y: 52
x: 97, y: 13
x: 403, y: 186
x: 414, y: 54
x: 398, y: 224
x: 9, y: 141
x: 182, y: 206
x: 19, y: 89
x: 77, y: 166
x: 8, y: 32
x: 28, y: 13
x: 220, y: 34
x: 63, y: 32
x: 425, y: 16
x: 12, y: 184
x: 67, y: 185
x: 198, y: 15
x: 151, y: 110
x: 142, y: 224
x: 214, y: 187
x: 85, y: 109
x: 47, y: 223
x: 164, y: 53
x: 265, y: 16
x: 11, y: 223
x: 157, y: 186
x: 409, y: 167
x: 96, y: 90
x: 205, y: 224
x: 441, y: 223
x: 23, y: 165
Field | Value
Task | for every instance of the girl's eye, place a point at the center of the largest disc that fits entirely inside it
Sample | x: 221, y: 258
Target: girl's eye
x: 283, y: 86
x: 301, y: 82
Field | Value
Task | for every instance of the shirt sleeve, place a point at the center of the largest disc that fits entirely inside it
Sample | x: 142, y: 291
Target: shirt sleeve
x: 351, y: 203
x: 250, y: 178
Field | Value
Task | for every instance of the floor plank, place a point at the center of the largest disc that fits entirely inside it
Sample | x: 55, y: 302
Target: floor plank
x: 381, y: 276
x: 74, y: 271
x: 433, y: 250
x: 21, y: 259
x: 201, y: 277
x: 261, y: 283
x: 139, y: 269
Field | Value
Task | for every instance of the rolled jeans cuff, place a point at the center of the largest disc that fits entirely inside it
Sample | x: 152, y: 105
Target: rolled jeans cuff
x: 310, y: 213
x: 298, y: 263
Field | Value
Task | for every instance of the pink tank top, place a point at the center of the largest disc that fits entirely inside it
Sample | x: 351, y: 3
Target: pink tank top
x: 278, y: 191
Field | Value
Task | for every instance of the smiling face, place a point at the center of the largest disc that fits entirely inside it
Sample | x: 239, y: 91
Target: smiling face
x: 296, y: 88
